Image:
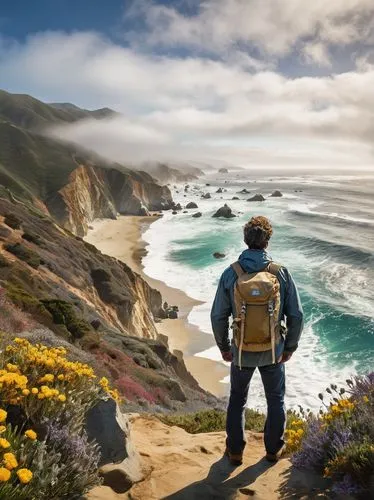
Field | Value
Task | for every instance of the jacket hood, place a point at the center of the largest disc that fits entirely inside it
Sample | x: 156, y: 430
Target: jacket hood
x: 253, y: 261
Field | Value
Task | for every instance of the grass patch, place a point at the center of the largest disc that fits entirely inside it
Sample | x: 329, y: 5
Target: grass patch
x: 23, y: 253
x: 32, y: 238
x: 63, y: 314
x: 212, y: 421
x: 12, y: 221
x: 4, y: 262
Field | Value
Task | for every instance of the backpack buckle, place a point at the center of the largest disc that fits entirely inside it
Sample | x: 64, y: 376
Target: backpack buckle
x: 271, y: 308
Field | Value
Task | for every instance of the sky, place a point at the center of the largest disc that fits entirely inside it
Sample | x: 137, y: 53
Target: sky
x: 246, y: 82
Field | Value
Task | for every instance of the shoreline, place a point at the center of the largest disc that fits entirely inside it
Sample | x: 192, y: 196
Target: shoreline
x: 182, y: 336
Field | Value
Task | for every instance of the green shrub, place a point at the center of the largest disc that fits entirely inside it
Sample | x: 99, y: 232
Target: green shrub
x: 212, y: 421
x: 20, y: 297
x: 3, y: 261
x: 12, y: 221
x: 63, y: 314
x: 32, y: 238
x: 25, y: 254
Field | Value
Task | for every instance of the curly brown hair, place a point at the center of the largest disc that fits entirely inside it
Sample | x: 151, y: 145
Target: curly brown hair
x: 257, y: 232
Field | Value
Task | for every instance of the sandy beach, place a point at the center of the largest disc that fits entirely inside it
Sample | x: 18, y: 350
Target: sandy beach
x: 122, y: 239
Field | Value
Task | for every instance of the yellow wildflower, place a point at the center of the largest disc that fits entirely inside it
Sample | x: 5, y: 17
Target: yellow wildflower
x: 3, y: 416
x: 61, y: 376
x: 35, y: 390
x: 41, y: 396
x: 25, y: 392
x: 62, y: 398
x: 31, y: 434
x: 4, y: 474
x: 10, y: 461
x: 4, y: 443
x: 2, y: 429
x: 365, y: 399
x: 24, y: 475
x: 11, y: 368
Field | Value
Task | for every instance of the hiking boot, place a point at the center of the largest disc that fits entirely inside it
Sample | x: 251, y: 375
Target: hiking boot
x: 234, y: 458
x: 274, y: 457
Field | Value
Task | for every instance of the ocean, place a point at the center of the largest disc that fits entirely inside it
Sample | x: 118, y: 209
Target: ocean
x: 323, y: 233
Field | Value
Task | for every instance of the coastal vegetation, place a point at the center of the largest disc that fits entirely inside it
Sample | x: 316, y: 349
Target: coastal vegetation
x: 339, y: 442
x: 45, y: 452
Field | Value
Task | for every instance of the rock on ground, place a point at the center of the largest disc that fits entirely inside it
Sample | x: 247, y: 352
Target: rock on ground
x: 192, y: 467
x: 120, y: 464
x: 197, y: 214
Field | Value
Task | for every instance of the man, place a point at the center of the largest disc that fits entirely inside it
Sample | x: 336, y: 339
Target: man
x: 256, y: 343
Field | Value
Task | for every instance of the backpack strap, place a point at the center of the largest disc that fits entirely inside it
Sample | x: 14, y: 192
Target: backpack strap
x: 273, y: 268
x: 238, y: 269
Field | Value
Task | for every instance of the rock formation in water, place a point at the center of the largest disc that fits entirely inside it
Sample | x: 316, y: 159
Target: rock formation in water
x: 225, y: 212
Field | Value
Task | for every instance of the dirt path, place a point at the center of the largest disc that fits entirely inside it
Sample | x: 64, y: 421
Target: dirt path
x: 184, y: 466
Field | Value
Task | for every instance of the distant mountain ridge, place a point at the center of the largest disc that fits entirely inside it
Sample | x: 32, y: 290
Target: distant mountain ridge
x: 44, y: 171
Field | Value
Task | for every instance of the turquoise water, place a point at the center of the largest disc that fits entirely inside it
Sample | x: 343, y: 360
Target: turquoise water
x: 324, y: 235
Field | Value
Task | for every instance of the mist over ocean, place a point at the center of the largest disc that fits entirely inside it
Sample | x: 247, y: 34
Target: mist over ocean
x: 323, y: 233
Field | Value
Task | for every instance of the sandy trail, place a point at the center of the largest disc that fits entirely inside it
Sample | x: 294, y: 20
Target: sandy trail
x: 191, y: 467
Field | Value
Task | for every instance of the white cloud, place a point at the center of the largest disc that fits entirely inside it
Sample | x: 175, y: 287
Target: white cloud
x: 195, y: 107
x: 274, y: 26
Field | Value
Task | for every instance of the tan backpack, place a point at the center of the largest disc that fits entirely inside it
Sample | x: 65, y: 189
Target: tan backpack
x: 257, y: 304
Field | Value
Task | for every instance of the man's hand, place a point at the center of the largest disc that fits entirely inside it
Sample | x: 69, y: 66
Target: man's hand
x: 227, y: 356
x: 286, y: 356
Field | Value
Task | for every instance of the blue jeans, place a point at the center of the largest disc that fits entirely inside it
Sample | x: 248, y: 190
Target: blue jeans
x: 273, y: 378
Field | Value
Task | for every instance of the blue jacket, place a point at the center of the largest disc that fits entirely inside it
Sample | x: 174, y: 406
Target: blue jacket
x: 223, y: 307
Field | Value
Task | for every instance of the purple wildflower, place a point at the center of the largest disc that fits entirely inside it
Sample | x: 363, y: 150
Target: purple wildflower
x: 346, y: 487
x: 312, y: 453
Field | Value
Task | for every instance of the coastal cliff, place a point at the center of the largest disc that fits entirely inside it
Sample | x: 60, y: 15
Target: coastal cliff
x: 74, y: 186
x: 95, y: 192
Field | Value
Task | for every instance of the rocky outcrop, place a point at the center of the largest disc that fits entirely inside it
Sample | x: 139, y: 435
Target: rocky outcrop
x: 276, y: 194
x: 191, y: 204
x: 257, y: 197
x: 219, y: 255
x: 225, y: 212
x: 120, y: 464
x: 197, y: 215
x: 244, y: 191
x: 95, y: 192
x: 206, y: 196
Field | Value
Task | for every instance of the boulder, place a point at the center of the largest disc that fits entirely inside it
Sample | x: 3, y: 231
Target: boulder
x: 235, y: 198
x: 244, y: 191
x: 219, y: 190
x: 206, y: 196
x: 191, y: 204
x: 176, y: 206
x: 225, y: 212
x: 197, y: 214
x: 276, y: 194
x: 120, y: 464
x: 223, y: 171
x: 257, y: 197
x: 207, y: 184
x: 172, y: 314
x: 174, y: 212
x: 143, y: 211
x: 219, y: 255
x: 185, y: 211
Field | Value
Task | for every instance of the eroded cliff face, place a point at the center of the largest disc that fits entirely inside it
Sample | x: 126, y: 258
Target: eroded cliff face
x: 65, y: 268
x: 94, y: 192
